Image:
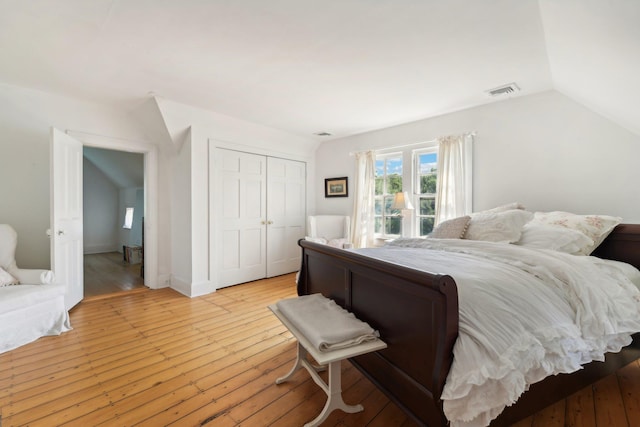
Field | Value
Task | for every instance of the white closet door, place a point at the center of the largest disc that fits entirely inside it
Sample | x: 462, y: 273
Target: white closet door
x: 240, y: 199
x: 286, y: 210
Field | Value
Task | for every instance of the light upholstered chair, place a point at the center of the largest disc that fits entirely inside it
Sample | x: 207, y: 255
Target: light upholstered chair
x: 332, y: 230
x: 31, y: 305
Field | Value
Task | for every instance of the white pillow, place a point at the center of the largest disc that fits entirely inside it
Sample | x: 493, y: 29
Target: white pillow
x: 503, y: 227
x: 451, y: 229
x: 508, y: 207
x: 7, y: 279
x: 542, y: 236
x: 595, y: 227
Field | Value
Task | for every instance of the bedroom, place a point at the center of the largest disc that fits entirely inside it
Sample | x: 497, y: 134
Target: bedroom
x: 574, y: 122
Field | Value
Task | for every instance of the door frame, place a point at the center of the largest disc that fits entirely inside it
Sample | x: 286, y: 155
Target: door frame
x: 150, y: 153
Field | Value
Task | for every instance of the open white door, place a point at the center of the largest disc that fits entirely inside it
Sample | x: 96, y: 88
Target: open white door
x: 66, y: 215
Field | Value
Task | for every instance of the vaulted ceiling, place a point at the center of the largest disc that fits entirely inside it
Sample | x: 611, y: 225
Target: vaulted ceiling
x: 124, y: 170
x: 338, y: 66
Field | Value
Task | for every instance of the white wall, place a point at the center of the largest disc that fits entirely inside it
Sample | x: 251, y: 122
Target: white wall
x: 544, y: 150
x: 100, y: 211
x: 194, y: 132
x: 181, y: 247
x: 130, y: 198
x: 182, y: 177
x: 25, y: 118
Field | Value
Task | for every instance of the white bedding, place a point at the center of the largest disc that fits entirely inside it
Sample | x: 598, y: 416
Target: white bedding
x: 524, y: 314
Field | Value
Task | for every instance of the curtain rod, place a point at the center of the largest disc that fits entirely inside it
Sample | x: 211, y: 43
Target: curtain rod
x: 353, y: 153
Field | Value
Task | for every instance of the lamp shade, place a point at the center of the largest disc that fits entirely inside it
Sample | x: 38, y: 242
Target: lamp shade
x: 402, y: 201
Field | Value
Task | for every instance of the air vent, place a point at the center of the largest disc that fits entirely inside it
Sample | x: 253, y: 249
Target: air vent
x: 504, y: 90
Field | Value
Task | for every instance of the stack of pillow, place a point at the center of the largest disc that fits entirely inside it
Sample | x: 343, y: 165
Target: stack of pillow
x: 511, y: 223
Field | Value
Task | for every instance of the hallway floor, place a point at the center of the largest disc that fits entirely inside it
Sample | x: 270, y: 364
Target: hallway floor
x: 107, y: 273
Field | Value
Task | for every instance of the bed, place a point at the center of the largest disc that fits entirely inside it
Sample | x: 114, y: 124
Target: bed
x: 417, y: 314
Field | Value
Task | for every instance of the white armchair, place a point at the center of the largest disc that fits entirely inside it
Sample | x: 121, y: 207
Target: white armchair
x: 31, y: 305
x: 334, y: 230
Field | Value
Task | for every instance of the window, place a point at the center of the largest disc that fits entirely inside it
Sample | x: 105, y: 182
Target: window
x: 426, y: 178
x: 413, y: 170
x: 128, y: 218
x: 389, y: 176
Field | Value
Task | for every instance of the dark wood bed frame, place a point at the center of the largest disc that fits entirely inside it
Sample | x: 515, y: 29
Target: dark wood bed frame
x: 417, y: 316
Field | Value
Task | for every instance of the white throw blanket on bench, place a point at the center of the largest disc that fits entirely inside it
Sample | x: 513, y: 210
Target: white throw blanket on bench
x: 324, y: 323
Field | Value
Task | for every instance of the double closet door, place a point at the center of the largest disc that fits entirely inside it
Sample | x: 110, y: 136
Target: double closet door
x: 259, y: 206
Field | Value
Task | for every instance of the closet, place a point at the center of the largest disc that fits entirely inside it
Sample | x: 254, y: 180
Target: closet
x: 258, y: 209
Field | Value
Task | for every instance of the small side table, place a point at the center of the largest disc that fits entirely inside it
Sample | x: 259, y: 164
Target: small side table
x: 332, y: 358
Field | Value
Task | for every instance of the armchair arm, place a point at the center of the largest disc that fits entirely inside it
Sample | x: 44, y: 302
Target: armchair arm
x: 30, y: 276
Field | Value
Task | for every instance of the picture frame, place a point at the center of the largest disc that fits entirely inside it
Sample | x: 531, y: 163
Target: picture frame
x: 336, y: 187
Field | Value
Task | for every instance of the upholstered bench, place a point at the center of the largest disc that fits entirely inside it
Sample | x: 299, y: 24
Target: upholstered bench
x: 332, y: 358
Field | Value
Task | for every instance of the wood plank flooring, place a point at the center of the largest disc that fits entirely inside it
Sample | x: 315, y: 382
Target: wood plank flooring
x: 157, y: 358
x: 107, y: 273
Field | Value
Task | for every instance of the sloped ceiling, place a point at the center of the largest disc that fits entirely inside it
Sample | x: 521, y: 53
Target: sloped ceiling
x: 307, y: 66
x: 594, y: 55
x: 125, y: 170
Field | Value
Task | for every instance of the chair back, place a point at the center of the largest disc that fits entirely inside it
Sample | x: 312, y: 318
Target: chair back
x: 8, y: 242
x: 329, y: 226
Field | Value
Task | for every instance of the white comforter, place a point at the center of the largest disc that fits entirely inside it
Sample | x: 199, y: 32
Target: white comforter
x: 524, y: 314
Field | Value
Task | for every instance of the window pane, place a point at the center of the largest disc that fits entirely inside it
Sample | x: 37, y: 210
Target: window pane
x: 394, y: 184
x: 394, y: 166
x: 128, y: 218
x: 378, y: 226
x: 394, y: 175
x: 388, y: 201
x: 378, y: 207
x: 426, y: 226
x: 428, y: 184
x: 393, y: 225
x: 379, y: 168
x: 428, y: 163
x: 379, y: 187
x: 427, y: 206
x: 427, y: 170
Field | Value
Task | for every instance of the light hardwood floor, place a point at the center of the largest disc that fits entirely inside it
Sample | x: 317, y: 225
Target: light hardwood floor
x: 107, y: 273
x: 157, y: 358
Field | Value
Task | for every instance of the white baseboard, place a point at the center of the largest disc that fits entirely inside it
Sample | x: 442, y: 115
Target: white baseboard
x: 191, y: 289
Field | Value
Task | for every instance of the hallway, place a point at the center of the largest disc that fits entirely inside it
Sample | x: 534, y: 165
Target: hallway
x: 107, y: 273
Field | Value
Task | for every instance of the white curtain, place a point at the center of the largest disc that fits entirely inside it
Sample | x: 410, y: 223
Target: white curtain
x: 454, y: 197
x: 363, y: 224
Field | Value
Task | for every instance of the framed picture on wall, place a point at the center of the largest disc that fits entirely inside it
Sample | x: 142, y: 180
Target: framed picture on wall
x: 336, y: 187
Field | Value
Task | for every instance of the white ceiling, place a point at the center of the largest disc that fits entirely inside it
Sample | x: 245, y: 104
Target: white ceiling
x: 341, y: 66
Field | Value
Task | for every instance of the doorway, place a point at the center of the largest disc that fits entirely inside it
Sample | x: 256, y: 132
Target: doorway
x: 67, y: 208
x: 113, y: 211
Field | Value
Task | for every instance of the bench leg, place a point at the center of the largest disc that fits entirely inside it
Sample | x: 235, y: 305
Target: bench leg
x: 333, y: 389
x: 301, y: 362
x: 334, y: 397
x: 302, y: 354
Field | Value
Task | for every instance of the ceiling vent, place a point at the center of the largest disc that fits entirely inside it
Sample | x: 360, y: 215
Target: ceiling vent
x: 504, y: 90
